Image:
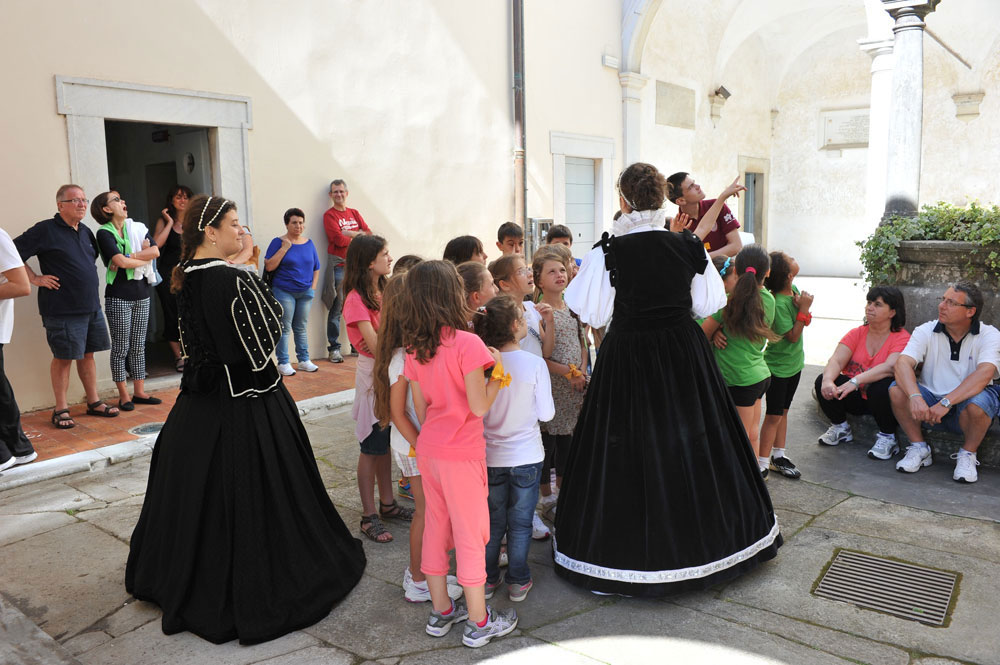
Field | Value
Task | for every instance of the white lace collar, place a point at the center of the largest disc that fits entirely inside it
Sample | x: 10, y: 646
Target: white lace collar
x: 645, y: 220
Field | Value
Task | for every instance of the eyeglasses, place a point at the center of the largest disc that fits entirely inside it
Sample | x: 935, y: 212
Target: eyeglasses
x: 952, y: 303
x: 75, y: 201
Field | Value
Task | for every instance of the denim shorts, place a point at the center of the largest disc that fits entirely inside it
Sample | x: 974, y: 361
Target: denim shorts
x: 376, y: 443
x: 71, y: 337
x: 986, y: 400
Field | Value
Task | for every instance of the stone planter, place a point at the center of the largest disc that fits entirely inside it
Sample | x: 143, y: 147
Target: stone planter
x: 928, y: 267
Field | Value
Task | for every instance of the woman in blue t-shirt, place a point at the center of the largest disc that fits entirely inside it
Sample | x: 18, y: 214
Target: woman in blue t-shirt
x: 295, y: 263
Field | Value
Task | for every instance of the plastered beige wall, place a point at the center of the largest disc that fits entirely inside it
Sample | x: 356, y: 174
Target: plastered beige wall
x: 409, y: 101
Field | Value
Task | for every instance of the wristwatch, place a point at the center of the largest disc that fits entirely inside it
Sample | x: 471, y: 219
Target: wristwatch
x: 854, y: 380
x: 945, y: 402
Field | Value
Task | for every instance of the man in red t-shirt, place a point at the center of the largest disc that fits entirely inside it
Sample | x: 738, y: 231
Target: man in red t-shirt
x: 342, y: 224
x: 710, y: 219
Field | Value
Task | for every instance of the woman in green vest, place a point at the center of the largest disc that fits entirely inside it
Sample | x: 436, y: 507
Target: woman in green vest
x: 127, y: 251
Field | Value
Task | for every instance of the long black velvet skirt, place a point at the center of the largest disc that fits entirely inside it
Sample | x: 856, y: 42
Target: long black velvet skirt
x: 662, y: 491
x: 237, y: 538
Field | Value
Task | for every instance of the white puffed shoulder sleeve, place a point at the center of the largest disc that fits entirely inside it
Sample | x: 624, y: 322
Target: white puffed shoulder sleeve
x: 708, y: 293
x: 590, y: 294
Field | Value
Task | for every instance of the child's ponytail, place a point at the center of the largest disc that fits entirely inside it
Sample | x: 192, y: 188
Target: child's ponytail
x: 744, y: 313
x: 494, y: 322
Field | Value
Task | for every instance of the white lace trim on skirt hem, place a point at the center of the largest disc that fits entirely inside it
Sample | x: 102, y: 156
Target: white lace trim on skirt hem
x: 662, y: 576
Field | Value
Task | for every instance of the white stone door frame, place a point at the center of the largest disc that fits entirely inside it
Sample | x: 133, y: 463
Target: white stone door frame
x: 599, y: 148
x: 760, y: 165
x: 87, y: 103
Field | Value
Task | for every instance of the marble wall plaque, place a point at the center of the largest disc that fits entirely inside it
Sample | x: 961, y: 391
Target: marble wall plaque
x: 674, y: 105
x: 846, y: 128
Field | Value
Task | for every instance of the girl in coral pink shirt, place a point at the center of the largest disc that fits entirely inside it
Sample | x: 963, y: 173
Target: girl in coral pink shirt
x: 368, y: 264
x: 445, y: 367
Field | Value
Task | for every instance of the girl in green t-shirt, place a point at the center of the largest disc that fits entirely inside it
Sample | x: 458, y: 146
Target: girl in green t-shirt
x: 746, y: 326
x: 785, y: 358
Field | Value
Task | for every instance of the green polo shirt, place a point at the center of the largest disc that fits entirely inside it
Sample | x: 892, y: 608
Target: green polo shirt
x: 742, y: 361
x: 785, y: 358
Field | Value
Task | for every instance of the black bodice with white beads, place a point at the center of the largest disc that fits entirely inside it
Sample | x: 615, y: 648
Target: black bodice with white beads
x: 230, y: 323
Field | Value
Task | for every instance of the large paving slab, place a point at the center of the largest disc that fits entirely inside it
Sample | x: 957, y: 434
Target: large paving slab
x: 835, y: 642
x: 66, y: 579
x: 784, y: 589
x: 803, y: 496
x: 23, y: 643
x: 637, y: 631
x: 149, y: 646
x: 509, y: 650
x: 960, y: 535
x: 18, y: 527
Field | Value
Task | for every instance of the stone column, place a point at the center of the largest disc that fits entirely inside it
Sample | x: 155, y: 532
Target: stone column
x: 632, y: 85
x: 880, y: 51
x: 906, y: 115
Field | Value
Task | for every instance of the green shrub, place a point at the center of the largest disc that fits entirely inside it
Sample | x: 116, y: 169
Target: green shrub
x: 940, y: 221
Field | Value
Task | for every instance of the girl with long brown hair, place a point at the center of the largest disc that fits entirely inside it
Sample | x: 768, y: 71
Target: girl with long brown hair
x: 444, y: 365
x: 746, y: 323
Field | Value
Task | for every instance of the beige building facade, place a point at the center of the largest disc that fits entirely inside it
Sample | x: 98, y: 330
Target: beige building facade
x: 410, y: 102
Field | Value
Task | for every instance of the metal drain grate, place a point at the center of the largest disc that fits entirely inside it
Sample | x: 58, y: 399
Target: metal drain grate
x: 147, y: 428
x: 902, y: 589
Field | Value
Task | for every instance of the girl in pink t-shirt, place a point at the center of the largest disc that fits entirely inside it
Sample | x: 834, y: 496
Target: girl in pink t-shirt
x: 368, y: 264
x: 444, y: 365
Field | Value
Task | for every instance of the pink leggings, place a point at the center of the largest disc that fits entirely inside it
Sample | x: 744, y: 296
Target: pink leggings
x: 457, y: 516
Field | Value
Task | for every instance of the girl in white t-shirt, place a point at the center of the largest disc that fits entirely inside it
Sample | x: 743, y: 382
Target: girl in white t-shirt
x: 514, y: 452
x: 513, y: 277
x: 394, y: 402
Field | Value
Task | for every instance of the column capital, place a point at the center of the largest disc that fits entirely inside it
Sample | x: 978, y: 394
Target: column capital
x: 633, y: 80
x: 876, y: 47
x: 632, y: 84
x: 909, y: 14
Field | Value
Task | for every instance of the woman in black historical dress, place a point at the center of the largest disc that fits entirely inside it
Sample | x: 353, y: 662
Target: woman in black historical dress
x: 661, y: 491
x: 237, y: 537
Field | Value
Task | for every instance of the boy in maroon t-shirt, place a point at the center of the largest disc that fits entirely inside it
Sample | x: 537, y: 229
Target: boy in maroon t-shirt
x: 342, y: 224
x: 723, y: 237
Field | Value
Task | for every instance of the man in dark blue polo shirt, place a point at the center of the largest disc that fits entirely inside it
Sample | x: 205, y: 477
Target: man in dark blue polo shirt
x: 68, y: 299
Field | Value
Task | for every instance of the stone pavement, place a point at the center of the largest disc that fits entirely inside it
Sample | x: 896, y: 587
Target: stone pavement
x: 64, y: 541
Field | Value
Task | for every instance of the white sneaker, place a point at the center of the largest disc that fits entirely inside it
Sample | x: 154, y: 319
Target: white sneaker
x: 308, y: 366
x: 916, y: 457
x: 9, y: 463
x: 24, y: 459
x: 965, y: 467
x: 538, y: 529
x: 417, y: 592
x: 285, y: 369
x: 885, y: 446
x: 837, y: 434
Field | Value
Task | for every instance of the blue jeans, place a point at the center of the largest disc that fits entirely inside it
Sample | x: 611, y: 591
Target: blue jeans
x: 293, y: 320
x: 333, y: 317
x: 512, y: 500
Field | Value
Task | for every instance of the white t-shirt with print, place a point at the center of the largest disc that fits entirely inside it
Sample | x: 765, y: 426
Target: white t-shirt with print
x: 9, y: 259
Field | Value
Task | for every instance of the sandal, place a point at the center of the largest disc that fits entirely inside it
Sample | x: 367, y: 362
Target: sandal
x: 62, y: 420
x: 105, y: 412
x: 126, y: 406
x: 375, y: 529
x: 394, y: 511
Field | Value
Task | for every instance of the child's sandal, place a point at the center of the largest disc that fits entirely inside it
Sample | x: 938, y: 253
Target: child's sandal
x: 375, y: 530
x: 394, y: 511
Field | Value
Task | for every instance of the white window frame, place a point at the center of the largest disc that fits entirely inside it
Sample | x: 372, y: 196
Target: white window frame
x: 87, y: 103
x: 602, y: 151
